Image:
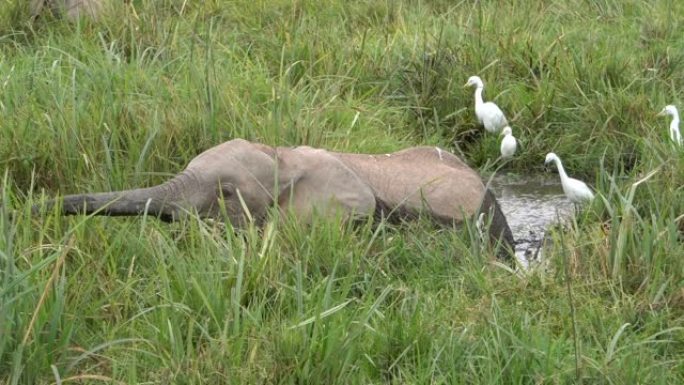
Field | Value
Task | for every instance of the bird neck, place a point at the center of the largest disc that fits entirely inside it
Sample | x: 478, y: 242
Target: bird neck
x: 674, y: 128
x: 561, y: 170
x: 675, y: 135
x: 478, y: 96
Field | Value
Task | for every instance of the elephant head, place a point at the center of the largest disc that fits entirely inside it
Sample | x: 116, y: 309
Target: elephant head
x: 72, y: 9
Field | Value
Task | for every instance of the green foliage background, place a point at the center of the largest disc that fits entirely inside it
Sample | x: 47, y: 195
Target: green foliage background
x: 130, y: 98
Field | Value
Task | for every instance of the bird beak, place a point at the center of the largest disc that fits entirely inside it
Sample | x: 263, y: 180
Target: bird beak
x: 661, y: 113
x: 466, y: 85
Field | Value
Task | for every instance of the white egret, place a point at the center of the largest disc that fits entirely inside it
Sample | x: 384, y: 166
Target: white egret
x: 488, y: 114
x: 576, y: 190
x: 674, y: 124
x: 508, y: 143
x: 480, y: 226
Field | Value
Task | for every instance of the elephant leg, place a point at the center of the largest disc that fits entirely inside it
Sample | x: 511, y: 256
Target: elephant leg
x: 499, y: 231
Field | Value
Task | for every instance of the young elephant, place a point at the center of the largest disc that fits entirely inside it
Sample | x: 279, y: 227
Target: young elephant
x: 245, y: 179
x: 72, y: 9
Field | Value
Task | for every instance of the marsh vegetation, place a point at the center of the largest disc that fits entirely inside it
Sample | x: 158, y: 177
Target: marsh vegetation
x: 128, y: 99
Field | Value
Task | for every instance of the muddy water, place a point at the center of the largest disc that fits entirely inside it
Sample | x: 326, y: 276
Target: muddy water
x: 531, y: 204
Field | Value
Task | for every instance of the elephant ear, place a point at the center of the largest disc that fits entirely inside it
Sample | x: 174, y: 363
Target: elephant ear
x: 315, y: 182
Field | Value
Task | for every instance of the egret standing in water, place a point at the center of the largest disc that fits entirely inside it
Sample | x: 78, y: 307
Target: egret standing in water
x: 674, y: 124
x: 576, y: 190
x: 488, y: 114
x: 508, y: 144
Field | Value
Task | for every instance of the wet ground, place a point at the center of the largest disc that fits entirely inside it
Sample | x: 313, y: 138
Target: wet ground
x: 531, y: 204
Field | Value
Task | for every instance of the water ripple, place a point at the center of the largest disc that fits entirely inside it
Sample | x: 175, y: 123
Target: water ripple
x: 531, y: 204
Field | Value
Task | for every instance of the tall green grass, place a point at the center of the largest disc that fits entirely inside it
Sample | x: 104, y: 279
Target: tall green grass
x: 129, y: 99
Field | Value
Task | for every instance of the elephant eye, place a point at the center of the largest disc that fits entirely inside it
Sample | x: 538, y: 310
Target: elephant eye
x: 226, y: 189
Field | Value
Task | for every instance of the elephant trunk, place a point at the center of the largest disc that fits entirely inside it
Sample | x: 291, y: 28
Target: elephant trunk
x: 159, y: 201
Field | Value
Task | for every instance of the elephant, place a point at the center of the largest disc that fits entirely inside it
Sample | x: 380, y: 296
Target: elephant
x: 242, y: 180
x: 72, y: 9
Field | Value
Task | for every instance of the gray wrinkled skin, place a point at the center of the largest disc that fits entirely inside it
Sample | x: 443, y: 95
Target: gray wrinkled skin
x: 72, y: 9
x: 245, y: 179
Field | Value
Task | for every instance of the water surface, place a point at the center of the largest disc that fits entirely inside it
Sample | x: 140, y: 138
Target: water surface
x: 531, y: 204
